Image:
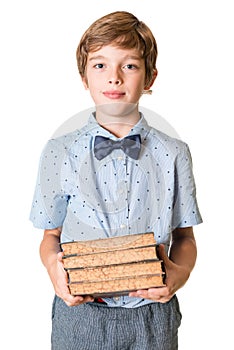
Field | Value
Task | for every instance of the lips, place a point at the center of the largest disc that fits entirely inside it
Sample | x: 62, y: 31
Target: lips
x: 113, y: 94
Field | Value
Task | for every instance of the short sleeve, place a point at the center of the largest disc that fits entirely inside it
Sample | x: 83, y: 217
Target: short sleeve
x: 50, y: 201
x: 186, y: 212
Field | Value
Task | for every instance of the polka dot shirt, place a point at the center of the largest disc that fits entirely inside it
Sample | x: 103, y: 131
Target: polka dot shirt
x: 117, y: 195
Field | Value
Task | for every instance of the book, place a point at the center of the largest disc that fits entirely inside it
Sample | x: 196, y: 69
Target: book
x: 120, y: 256
x: 114, y: 271
x: 117, y: 286
x: 105, y: 244
x: 113, y: 266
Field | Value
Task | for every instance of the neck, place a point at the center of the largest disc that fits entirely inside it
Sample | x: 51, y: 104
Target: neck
x: 116, y: 119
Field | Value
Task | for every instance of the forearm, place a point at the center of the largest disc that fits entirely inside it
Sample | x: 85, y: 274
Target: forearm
x: 183, y: 250
x: 49, y: 247
x: 52, y: 260
x: 178, y: 266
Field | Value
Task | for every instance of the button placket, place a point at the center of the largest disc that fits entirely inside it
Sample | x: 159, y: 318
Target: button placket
x: 127, y: 187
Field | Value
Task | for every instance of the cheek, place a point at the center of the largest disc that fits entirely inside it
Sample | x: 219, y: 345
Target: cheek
x: 94, y: 81
x: 139, y: 83
x: 138, y: 88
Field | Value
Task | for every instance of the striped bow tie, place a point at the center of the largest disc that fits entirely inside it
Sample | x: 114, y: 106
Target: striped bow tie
x: 131, y: 145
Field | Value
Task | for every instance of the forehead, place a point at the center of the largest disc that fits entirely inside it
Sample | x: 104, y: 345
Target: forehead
x: 112, y: 51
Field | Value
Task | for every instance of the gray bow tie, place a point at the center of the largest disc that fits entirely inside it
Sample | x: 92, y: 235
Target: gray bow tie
x: 131, y: 145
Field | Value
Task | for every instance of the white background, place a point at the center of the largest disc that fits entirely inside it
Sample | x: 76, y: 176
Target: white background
x: 41, y: 88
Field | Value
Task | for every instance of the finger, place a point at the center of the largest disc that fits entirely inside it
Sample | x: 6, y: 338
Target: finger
x: 151, y: 293
x: 142, y: 293
x: 78, y: 300
x: 71, y: 300
x: 163, y: 300
x: 162, y: 253
x: 158, y: 292
x: 88, y: 298
x: 60, y: 256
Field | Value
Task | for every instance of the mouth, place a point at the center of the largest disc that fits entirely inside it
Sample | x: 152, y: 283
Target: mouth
x: 113, y: 94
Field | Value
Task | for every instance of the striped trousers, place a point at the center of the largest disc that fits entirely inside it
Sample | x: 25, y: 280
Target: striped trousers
x: 93, y: 326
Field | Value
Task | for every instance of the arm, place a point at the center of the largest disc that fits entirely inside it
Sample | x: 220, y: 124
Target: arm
x: 183, y: 250
x: 51, y: 257
x: 178, y: 266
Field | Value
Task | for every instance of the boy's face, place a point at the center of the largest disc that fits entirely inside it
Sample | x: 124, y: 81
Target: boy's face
x: 115, y: 75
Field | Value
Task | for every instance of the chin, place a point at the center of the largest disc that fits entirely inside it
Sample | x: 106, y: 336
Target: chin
x: 116, y: 109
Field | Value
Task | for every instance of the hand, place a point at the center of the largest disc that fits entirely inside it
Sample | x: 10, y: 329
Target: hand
x: 59, y: 279
x: 176, y: 276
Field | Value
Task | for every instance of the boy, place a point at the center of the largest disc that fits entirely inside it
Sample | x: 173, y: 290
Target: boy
x: 117, y: 176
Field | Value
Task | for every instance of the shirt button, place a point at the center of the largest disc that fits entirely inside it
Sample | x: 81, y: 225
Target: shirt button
x: 116, y: 298
x: 122, y: 226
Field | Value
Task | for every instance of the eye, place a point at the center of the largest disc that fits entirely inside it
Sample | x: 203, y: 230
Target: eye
x: 130, y: 66
x: 99, y: 66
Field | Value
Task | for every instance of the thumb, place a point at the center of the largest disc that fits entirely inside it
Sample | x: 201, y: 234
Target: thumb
x: 162, y: 254
x: 60, y: 256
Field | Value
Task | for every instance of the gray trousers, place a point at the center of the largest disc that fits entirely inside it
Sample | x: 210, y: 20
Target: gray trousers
x: 94, y: 326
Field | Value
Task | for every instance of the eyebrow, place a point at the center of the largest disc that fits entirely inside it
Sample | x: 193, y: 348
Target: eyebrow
x: 131, y: 57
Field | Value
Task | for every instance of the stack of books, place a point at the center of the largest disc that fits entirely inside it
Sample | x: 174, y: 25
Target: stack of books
x: 113, y: 266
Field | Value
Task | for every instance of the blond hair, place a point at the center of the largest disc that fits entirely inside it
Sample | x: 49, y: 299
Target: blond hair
x: 123, y: 30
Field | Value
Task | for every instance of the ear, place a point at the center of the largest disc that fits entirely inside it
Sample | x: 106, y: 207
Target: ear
x: 85, y: 83
x: 155, y: 73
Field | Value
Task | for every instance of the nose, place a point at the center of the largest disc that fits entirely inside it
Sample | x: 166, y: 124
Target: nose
x: 114, y: 81
x: 115, y: 77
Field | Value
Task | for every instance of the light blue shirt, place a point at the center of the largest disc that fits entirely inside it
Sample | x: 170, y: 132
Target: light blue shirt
x: 117, y: 195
